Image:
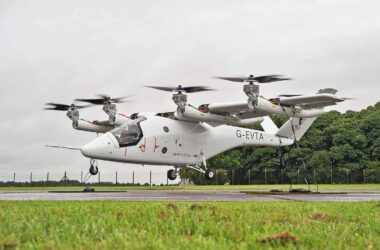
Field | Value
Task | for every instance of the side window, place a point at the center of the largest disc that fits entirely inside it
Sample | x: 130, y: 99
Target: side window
x: 129, y: 134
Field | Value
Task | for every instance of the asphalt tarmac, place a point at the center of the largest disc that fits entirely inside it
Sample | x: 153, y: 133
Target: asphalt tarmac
x: 184, y: 196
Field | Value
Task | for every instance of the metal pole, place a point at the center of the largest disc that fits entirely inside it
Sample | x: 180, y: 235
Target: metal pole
x: 116, y: 178
x: 232, y: 176
x: 364, y: 180
x: 331, y: 174
x: 14, y: 177
x: 150, y: 178
x: 133, y: 177
x: 47, y: 177
x: 31, y: 177
x: 99, y: 177
x: 253, y: 177
x: 298, y: 175
x: 265, y: 174
x: 249, y: 176
x: 216, y: 176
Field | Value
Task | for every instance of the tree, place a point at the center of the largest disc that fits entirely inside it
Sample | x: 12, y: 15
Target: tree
x: 349, y: 142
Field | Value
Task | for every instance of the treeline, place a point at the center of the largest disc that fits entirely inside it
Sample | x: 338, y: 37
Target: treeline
x: 339, y: 148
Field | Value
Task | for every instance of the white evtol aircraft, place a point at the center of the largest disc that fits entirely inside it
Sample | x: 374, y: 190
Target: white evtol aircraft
x: 189, y: 136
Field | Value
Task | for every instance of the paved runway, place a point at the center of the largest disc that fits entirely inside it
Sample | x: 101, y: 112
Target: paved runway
x: 185, y: 196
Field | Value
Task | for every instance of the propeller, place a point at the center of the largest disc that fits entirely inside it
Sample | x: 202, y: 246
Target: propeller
x: 180, y: 88
x: 64, y: 107
x: 251, y: 78
x: 327, y: 91
x: 103, y: 99
x: 291, y: 95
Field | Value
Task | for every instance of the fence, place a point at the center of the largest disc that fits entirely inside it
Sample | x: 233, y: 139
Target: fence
x: 301, y: 176
x: 233, y: 177
x: 50, y: 178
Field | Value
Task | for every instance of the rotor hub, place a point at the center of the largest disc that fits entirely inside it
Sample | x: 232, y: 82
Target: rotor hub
x: 180, y: 100
x: 253, y: 93
x: 73, y: 115
x: 110, y: 109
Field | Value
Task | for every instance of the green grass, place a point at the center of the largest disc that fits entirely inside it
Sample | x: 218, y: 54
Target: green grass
x: 187, y: 225
x: 322, y: 188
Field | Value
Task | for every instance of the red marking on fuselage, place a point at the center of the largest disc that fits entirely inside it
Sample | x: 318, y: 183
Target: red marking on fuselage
x: 143, y: 146
x: 155, y: 144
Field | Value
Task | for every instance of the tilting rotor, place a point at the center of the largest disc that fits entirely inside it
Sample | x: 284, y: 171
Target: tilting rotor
x: 72, y: 110
x: 109, y: 104
x: 179, y: 93
x: 252, y: 89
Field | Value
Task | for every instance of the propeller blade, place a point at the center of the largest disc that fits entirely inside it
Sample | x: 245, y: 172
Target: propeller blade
x: 232, y: 79
x: 57, y: 106
x: 169, y: 89
x: 271, y: 78
x: 258, y: 79
x: 193, y: 89
x: 63, y: 107
x: 289, y: 95
x: 103, y: 99
x: 92, y: 101
x: 327, y: 91
x: 188, y: 89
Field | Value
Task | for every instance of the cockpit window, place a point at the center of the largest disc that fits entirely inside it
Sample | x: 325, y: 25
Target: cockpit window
x: 128, y: 134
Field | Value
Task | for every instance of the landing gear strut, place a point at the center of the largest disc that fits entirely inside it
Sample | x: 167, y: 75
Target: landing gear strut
x: 91, y: 172
x: 209, y: 173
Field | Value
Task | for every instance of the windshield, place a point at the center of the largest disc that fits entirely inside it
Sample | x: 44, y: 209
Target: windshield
x: 128, y: 134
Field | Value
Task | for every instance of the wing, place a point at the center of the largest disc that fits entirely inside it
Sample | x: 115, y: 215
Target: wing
x: 309, y: 102
x: 239, y: 109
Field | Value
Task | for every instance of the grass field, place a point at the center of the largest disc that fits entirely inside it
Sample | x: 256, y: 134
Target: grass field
x: 183, y: 225
x: 321, y: 188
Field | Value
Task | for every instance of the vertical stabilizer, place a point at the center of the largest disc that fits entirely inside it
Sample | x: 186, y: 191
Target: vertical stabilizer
x: 268, y: 125
x: 295, y: 128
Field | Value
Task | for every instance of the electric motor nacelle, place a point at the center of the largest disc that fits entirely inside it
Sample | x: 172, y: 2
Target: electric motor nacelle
x: 298, y: 112
x: 91, y: 127
x: 192, y: 114
x: 265, y: 106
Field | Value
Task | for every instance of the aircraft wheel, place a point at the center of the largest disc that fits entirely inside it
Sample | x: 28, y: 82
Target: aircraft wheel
x: 210, y: 174
x: 94, y: 170
x: 172, y: 174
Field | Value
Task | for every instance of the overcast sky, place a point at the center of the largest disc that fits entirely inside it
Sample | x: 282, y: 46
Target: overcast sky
x: 61, y: 50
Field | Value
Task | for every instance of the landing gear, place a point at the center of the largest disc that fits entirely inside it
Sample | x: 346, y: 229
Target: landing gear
x: 172, y: 174
x: 93, y: 168
x: 91, y: 172
x: 209, y: 174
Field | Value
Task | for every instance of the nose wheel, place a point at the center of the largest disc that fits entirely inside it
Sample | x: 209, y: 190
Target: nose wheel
x: 172, y: 174
x: 91, y: 172
x: 93, y: 167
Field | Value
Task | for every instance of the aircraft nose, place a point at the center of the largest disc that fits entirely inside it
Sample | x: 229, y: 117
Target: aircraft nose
x: 98, y: 148
x: 87, y: 149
